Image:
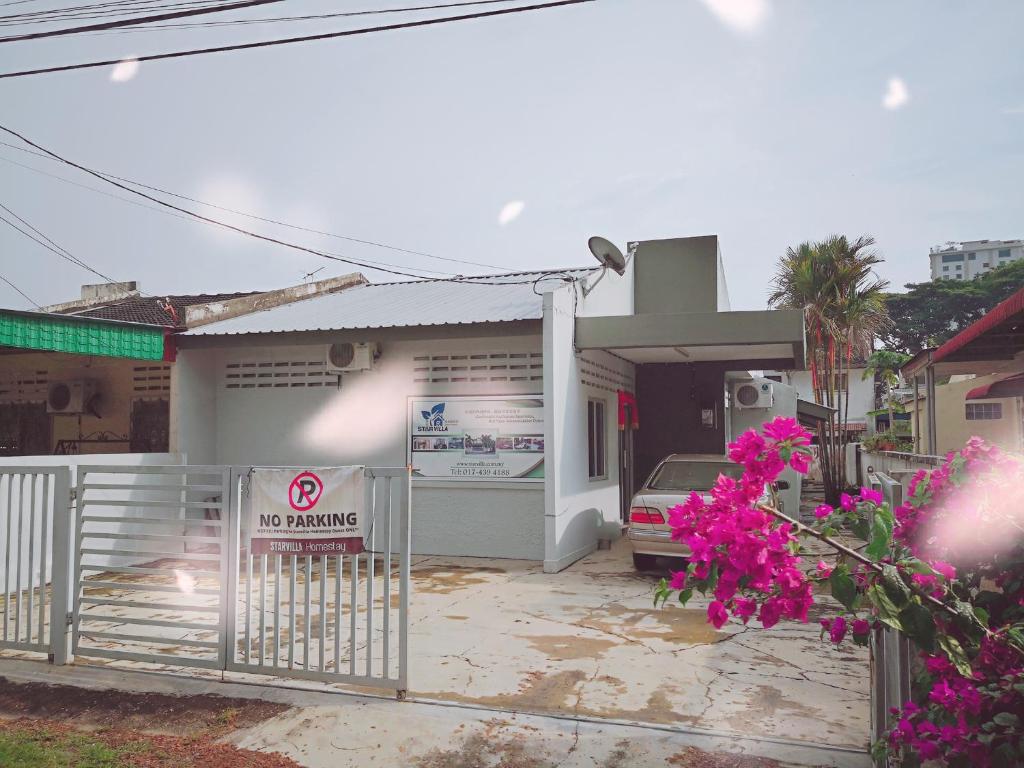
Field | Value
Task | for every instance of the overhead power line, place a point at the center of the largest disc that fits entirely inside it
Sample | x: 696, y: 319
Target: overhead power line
x: 301, y: 39
x: 50, y: 245
x: 104, y: 10
x: 236, y: 212
x: 27, y: 298
x: 308, y: 17
x: 241, y: 230
x: 138, y: 20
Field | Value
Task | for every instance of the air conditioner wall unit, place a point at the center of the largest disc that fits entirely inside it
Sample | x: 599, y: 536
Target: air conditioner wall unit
x: 753, y: 395
x: 71, y: 396
x: 345, y: 357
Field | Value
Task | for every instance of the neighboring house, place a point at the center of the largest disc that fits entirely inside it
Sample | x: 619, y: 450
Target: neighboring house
x: 93, y: 375
x: 959, y: 417
x: 529, y: 405
x: 984, y: 364
x: 967, y: 260
x: 862, y: 394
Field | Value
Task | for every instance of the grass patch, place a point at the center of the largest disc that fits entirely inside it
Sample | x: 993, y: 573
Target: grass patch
x: 44, y: 748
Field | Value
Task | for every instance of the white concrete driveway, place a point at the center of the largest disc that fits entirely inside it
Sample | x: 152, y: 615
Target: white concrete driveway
x: 588, y: 642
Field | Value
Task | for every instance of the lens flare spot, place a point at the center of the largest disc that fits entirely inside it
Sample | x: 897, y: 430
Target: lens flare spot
x: 186, y: 583
x: 124, y: 70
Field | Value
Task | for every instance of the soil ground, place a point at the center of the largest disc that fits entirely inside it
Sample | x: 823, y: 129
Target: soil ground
x: 58, y: 726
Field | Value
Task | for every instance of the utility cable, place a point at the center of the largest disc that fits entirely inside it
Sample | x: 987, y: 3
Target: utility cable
x: 64, y: 253
x: 309, y: 17
x: 138, y: 20
x: 301, y: 39
x: 165, y: 212
x: 98, y: 12
x: 240, y: 230
x: 28, y: 298
x: 253, y: 216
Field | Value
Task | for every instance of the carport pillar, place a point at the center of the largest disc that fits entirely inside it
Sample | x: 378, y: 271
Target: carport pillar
x: 929, y: 378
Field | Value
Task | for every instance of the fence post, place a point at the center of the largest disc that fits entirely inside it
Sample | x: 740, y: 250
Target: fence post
x: 405, y: 582
x: 61, y: 577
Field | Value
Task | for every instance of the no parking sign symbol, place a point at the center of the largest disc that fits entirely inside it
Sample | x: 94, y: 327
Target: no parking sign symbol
x: 307, y: 512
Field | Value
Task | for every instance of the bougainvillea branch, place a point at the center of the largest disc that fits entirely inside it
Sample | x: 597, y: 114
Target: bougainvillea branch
x: 946, y: 569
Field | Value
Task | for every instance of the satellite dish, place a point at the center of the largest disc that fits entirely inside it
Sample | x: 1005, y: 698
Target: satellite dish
x: 606, y: 252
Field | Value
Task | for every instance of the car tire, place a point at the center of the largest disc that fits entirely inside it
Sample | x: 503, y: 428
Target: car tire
x: 643, y: 562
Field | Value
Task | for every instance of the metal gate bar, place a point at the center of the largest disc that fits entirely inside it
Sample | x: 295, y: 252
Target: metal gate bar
x: 141, y: 547
x: 34, y: 524
x: 309, y: 611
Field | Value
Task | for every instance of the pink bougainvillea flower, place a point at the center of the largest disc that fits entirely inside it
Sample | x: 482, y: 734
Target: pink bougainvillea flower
x: 837, y: 631
x: 861, y: 628
x: 874, y: 497
x: 744, y: 608
x: 847, y: 502
x: 717, y: 614
x: 824, y: 569
x: 947, y: 571
x: 800, y: 461
x: 822, y: 511
x: 783, y: 429
x: 678, y: 580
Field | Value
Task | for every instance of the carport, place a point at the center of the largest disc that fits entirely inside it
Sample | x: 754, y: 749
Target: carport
x: 684, y: 363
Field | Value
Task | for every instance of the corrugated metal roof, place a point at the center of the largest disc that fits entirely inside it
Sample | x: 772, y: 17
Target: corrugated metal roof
x: 483, y: 299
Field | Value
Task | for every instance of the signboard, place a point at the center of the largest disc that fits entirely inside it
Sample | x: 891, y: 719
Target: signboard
x: 477, y: 438
x: 307, y: 511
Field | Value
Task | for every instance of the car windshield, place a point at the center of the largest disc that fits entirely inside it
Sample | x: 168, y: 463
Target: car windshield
x: 692, y: 475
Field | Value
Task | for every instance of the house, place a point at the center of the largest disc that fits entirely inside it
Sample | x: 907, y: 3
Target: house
x: 858, y: 412
x: 984, y: 368
x: 529, y: 405
x: 93, y: 375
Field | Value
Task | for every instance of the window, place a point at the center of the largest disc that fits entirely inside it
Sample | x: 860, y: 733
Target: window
x: 947, y: 257
x: 970, y: 257
x: 984, y: 411
x: 945, y: 269
x: 959, y: 267
x: 596, y: 449
x: 839, y: 381
x: 1004, y: 253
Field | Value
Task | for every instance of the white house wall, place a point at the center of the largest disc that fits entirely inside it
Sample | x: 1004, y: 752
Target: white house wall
x: 576, y: 505
x: 862, y: 391
x: 275, y: 406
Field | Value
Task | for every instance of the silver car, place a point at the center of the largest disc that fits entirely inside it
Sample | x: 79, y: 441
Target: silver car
x: 670, y: 484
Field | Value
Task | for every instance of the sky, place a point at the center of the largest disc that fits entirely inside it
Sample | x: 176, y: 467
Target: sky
x: 509, y: 141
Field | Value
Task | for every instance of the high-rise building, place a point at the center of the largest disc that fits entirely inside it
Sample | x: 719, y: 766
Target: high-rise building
x: 967, y: 260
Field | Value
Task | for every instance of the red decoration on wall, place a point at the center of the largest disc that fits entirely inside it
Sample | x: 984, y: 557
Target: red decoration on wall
x: 628, y: 399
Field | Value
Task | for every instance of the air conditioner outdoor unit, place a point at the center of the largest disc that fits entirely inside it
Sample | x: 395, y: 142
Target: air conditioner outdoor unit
x: 69, y: 396
x: 349, y: 356
x: 753, y: 395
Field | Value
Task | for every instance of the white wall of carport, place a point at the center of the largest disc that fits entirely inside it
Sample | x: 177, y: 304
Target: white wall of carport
x: 365, y: 422
x: 783, y: 404
x: 574, y: 504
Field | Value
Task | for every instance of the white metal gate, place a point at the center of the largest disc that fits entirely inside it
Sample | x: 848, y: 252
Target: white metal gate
x: 334, y: 618
x: 151, y: 564
x: 163, y: 574
x: 34, y: 526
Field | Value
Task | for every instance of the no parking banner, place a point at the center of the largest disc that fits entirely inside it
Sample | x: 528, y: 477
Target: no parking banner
x: 307, y: 511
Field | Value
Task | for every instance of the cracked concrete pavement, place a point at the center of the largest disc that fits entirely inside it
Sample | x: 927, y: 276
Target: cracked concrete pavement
x: 589, y: 642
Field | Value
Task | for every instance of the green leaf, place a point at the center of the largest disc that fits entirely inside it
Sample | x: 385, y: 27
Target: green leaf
x: 881, y: 536
x: 1006, y: 719
x: 843, y: 587
x: 861, y: 529
x: 956, y: 654
x: 685, y: 595
x: 888, y: 613
x: 919, y: 625
x: 897, y: 590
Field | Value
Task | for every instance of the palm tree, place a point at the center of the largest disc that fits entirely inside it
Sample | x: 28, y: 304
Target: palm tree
x: 885, y: 364
x: 833, y: 282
